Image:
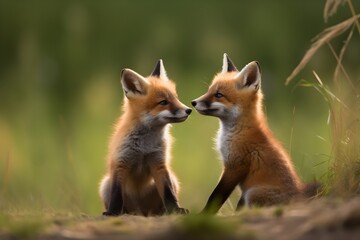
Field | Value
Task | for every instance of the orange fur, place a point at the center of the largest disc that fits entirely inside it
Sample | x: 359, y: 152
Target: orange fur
x: 253, y: 159
x: 139, y: 179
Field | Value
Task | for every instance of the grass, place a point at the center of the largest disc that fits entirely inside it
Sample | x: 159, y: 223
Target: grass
x: 320, y: 217
x: 279, y: 211
x: 202, y: 226
x: 54, y: 137
x: 342, y: 96
x: 49, y: 169
x: 22, y: 227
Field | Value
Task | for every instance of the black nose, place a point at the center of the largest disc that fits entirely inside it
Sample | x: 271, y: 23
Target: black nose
x: 188, y: 111
x: 193, y: 103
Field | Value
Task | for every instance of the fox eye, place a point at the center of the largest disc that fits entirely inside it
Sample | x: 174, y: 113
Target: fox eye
x: 163, y: 103
x: 218, y: 95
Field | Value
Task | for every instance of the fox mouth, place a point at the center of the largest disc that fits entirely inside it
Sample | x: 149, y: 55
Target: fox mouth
x: 209, y: 111
x: 176, y: 119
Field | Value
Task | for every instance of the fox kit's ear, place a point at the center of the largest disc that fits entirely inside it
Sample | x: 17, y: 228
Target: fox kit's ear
x: 228, y: 65
x: 133, y: 83
x: 159, y: 71
x: 249, y: 76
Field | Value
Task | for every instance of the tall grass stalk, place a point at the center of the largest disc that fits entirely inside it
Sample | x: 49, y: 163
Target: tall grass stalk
x: 342, y: 95
x: 5, y: 178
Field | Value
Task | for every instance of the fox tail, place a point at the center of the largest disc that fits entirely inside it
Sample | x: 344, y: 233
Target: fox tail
x: 312, y: 189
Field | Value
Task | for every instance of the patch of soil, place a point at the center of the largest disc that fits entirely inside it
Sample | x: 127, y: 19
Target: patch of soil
x: 317, y: 219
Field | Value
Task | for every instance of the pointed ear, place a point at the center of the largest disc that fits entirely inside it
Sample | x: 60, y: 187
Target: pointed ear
x: 159, y: 71
x: 249, y: 76
x: 133, y: 83
x: 228, y: 65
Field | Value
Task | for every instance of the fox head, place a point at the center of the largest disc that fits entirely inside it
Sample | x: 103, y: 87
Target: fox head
x: 153, y: 99
x: 232, y: 93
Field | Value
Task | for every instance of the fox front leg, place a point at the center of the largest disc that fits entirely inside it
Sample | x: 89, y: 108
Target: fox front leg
x: 221, y: 193
x: 241, y: 202
x: 170, y: 199
x: 166, y: 189
x: 116, y: 203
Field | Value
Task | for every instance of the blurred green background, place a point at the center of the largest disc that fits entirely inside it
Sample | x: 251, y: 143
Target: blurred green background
x: 60, y: 94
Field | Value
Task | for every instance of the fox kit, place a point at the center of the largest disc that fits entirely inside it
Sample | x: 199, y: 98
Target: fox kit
x: 139, y: 179
x: 253, y: 159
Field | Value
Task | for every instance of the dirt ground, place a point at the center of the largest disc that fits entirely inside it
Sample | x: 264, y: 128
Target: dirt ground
x: 317, y: 219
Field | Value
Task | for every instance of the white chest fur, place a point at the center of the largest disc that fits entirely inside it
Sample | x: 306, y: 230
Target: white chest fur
x: 226, y: 133
x: 223, y: 141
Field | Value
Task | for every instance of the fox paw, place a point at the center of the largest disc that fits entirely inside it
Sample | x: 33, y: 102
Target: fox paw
x: 110, y: 214
x: 182, y: 211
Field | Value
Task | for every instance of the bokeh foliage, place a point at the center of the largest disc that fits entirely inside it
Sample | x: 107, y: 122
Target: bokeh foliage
x: 60, y: 93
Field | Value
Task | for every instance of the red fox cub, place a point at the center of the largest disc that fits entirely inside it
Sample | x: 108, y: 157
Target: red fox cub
x: 139, y: 179
x: 253, y: 159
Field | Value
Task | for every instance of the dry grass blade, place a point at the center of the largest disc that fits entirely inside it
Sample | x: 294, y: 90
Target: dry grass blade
x: 339, y: 61
x: 341, y: 56
x: 6, y: 175
x: 320, y: 40
x: 352, y: 9
x: 331, y: 7
x: 328, y: 94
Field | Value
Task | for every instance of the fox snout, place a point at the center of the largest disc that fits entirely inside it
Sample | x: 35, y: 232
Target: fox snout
x: 204, y: 106
x: 182, y: 114
x: 199, y: 104
x: 181, y: 109
x: 178, y: 114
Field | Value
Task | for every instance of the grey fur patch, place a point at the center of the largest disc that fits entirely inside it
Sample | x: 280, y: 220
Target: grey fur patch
x: 141, y: 144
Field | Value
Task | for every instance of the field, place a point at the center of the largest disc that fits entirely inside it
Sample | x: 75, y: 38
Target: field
x: 318, y: 219
x: 60, y: 96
